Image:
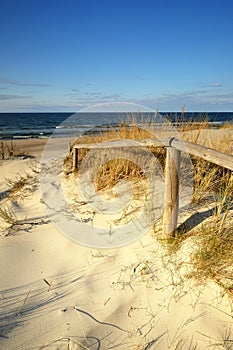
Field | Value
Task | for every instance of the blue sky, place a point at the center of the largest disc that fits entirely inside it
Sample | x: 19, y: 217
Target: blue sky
x: 71, y: 54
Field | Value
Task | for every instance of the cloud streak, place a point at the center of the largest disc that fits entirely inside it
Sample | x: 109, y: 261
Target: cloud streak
x: 192, y: 100
x: 19, y: 83
x: 201, y: 96
x: 4, y: 97
x: 96, y: 97
x: 215, y: 85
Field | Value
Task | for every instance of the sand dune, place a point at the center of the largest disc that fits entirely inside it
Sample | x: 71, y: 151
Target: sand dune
x: 57, y: 294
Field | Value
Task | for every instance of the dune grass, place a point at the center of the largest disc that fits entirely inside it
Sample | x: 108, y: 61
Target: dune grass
x: 213, y: 256
x: 209, y: 178
x: 18, y: 184
x: 8, y: 215
x: 8, y: 149
x: 22, y: 186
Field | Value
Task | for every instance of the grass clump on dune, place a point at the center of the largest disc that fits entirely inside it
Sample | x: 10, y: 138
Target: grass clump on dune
x: 213, y: 257
x: 208, y: 177
x: 116, y: 169
x: 10, y: 150
x: 213, y: 185
x: 8, y: 215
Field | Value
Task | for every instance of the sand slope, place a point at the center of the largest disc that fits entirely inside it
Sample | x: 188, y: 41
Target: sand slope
x: 57, y: 294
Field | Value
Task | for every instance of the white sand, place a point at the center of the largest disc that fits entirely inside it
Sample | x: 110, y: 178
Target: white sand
x: 57, y: 294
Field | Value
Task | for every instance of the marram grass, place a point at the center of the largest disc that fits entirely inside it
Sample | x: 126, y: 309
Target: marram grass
x: 213, y: 257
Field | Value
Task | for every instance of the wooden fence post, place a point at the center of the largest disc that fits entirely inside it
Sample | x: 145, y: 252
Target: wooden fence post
x: 171, y: 199
x: 75, y: 159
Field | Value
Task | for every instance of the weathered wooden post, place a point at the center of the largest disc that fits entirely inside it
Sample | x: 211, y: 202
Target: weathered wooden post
x: 75, y: 159
x: 171, y: 198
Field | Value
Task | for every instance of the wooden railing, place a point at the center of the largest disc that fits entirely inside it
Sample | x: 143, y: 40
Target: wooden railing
x: 174, y: 148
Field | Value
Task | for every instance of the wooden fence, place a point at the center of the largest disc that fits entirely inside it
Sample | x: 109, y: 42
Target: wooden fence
x: 174, y: 148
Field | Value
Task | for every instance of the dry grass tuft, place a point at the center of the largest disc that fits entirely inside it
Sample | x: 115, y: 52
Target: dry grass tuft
x: 213, y: 257
x: 226, y: 125
x: 115, y: 170
x: 118, y: 169
x: 23, y: 185
x: 214, y: 254
x: 8, y: 215
x: 208, y: 179
x: 18, y: 184
x: 10, y: 150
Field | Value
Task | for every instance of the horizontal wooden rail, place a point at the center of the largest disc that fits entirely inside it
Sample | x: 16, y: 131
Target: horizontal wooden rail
x: 117, y: 144
x: 174, y: 148
x: 216, y: 157
x: 125, y: 143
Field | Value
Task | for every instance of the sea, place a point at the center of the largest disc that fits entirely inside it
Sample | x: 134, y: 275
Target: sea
x: 44, y: 125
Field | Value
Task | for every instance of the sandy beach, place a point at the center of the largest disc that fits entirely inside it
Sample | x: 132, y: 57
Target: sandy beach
x: 57, y: 294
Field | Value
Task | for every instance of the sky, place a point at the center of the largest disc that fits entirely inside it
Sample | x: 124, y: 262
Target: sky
x: 66, y: 55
